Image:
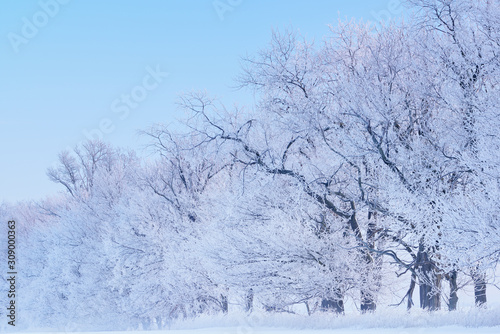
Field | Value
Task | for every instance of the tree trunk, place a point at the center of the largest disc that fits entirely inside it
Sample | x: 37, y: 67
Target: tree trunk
x: 367, y: 302
x: 249, y: 301
x: 159, y: 323
x: 335, y: 304
x: 146, y: 324
x: 452, y: 306
x: 410, y: 291
x: 479, y: 288
x: 332, y: 305
x: 429, y: 281
x: 224, y: 304
x: 367, y: 299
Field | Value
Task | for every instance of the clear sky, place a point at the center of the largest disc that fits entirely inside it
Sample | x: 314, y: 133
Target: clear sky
x: 72, y: 69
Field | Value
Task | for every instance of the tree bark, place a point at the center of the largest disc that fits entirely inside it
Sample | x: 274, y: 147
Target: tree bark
x: 224, y: 304
x: 410, y: 291
x: 308, y: 308
x: 429, y: 281
x: 367, y: 299
x: 335, y: 303
x: 367, y: 302
x: 479, y: 288
x: 249, y: 301
x: 452, y: 306
x: 332, y: 305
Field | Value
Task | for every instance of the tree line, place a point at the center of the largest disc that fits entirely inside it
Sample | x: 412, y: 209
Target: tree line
x: 369, y: 158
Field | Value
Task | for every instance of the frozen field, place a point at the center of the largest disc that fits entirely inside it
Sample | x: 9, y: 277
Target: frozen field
x: 454, y: 330
x: 243, y: 330
x: 388, y: 321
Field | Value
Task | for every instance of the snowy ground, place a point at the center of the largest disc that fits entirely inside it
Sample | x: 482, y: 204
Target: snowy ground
x: 442, y: 330
x: 238, y: 330
x: 387, y: 320
x: 394, y: 322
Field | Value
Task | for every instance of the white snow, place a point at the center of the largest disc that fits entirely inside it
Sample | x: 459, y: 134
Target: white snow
x: 244, y: 330
x: 454, y: 330
x: 471, y: 320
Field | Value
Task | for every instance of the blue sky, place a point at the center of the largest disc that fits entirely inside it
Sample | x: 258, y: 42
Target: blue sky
x: 71, y: 68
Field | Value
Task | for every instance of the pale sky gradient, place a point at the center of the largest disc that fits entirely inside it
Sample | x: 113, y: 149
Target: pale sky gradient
x: 85, y: 55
